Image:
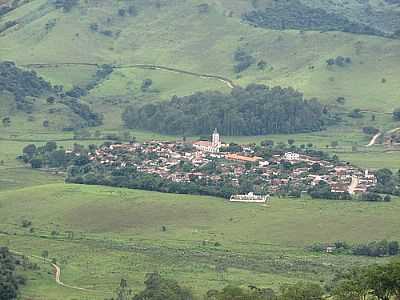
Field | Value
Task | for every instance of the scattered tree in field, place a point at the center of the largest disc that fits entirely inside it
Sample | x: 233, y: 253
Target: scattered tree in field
x: 243, y: 59
x: 301, y: 291
x: 158, y: 288
x: 6, y: 121
x: 396, y: 114
x: 146, y: 84
x: 45, y: 255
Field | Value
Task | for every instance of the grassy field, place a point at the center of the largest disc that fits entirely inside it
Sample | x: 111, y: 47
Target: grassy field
x: 117, y: 234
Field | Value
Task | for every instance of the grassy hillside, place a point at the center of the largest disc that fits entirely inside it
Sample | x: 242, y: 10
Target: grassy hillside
x: 117, y: 233
x: 178, y: 34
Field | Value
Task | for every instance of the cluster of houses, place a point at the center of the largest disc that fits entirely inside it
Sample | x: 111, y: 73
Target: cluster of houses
x: 205, y: 161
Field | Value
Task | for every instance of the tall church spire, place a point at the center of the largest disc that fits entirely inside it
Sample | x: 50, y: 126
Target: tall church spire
x: 216, y: 138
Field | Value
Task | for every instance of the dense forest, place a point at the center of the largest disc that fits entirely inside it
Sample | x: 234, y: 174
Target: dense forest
x: 295, y: 15
x: 254, y: 110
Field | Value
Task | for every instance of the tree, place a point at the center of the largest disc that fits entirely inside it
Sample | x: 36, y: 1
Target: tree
x: 384, y: 176
x: 6, y: 121
x: 50, y: 146
x: 29, y: 150
x: 9, y: 281
x: 123, y: 291
x: 396, y: 114
x: 301, y: 291
x: 393, y: 248
x: 36, y: 163
x: 45, y: 255
x: 291, y: 141
x: 158, y: 288
x: 267, y: 143
x: 351, y: 285
x: 380, y: 282
x: 146, y: 84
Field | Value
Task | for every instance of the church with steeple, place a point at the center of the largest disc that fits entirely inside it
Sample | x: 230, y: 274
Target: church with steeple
x: 213, y: 147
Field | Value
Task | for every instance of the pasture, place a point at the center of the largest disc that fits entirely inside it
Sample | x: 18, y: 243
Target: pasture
x: 207, y: 242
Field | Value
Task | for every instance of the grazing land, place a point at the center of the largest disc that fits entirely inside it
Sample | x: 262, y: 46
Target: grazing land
x: 123, y: 229
x: 98, y: 55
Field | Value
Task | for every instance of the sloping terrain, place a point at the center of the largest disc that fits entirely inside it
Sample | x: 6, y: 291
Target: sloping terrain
x: 199, y: 36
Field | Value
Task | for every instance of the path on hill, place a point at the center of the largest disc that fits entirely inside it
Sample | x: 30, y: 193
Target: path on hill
x: 57, y: 269
x: 225, y: 80
x: 374, y: 138
x: 393, y: 130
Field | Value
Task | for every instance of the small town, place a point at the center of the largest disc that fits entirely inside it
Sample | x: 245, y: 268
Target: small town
x: 206, y: 161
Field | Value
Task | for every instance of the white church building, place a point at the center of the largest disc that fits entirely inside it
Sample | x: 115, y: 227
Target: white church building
x: 213, y: 147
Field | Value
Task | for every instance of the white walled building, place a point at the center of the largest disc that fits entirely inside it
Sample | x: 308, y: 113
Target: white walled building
x: 213, y: 147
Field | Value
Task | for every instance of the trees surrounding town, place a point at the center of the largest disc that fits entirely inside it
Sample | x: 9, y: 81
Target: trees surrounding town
x: 254, y: 110
x: 388, y: 182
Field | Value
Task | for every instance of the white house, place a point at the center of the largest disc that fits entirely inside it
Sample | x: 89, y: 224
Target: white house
x: 291, y: 156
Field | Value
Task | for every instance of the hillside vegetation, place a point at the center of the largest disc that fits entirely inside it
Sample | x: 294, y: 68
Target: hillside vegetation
x: 199, y: 36
x: 255, y: 110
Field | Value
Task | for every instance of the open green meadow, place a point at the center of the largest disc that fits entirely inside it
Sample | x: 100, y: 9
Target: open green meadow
x: 208, y: 242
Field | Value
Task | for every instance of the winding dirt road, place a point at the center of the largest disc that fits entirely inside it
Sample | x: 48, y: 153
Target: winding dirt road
x: 373, y: 140
x: 225, y: 80
x: 57, y: 269
x: 376, y: 136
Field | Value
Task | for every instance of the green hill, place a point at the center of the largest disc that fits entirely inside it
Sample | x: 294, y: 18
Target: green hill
x: 199, y: 36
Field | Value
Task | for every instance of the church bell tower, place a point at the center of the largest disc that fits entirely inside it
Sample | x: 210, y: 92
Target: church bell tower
x: 216, y: 140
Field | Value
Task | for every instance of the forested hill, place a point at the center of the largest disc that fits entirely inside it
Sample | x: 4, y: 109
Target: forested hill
x: 254, y: 110
x: 360, y: 17
x: 25, y: 92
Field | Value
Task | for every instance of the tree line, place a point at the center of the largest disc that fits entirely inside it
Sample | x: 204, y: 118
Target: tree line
x: 294, y: 14
x: 254, y: 110
x: 372, y: 249
x: 380, y: 282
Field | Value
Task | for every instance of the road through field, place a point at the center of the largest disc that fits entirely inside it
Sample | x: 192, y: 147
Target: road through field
x: 374, y: 138
x: 225, y: 80
x: 57, y: 269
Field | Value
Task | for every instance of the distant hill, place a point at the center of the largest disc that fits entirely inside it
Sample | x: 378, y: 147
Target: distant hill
x: 207, y: 37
